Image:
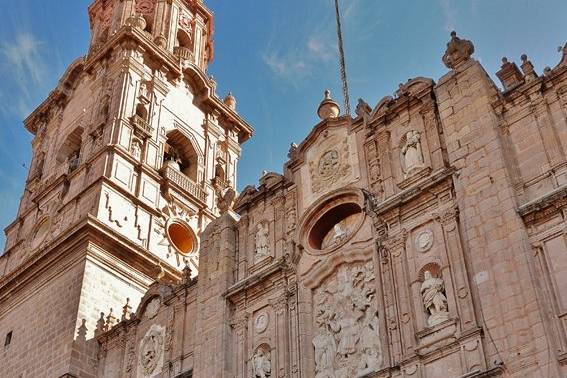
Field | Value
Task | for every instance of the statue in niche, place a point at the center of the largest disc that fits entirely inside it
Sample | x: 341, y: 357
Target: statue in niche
x: 434, y: 299
x: 347, y: 343
x: 136, y: 149
x: 262, y: 249
x: 261, y: 364
x: 411, y: 152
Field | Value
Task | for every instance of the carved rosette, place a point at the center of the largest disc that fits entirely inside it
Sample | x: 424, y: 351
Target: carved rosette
x: 347, y: 341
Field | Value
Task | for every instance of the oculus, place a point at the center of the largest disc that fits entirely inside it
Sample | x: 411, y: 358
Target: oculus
x: 424, y: 241
x: 181, y: 237
x: 332, y: 222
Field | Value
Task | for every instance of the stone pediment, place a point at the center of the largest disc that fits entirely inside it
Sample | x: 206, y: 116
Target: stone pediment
x: 156, y: 295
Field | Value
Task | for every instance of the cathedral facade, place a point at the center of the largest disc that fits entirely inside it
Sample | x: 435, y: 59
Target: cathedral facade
x: 423, y: 237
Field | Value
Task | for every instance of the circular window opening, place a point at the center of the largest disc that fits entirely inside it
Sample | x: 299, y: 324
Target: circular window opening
x: 335, y: 226
x: 181, y: 237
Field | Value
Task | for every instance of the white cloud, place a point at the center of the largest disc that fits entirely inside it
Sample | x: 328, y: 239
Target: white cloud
x: 450, y: 15
x: 288, y: 66
x: 23, y: 61
x: 321, y: 50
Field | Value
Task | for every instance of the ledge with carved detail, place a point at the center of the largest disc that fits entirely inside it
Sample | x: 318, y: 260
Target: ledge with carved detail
x: 142, y: 126
x: 173, y: 177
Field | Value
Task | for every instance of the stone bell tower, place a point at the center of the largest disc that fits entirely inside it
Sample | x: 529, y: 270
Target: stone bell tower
x: 131, y: 153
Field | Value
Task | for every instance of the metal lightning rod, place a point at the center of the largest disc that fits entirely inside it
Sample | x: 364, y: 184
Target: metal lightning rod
x: 342, y: 59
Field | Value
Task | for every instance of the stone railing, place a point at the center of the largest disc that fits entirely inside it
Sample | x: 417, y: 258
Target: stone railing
x: 142, y: 125
x: 183, y: 53
x: 184, y: 182
x: 220, y: 183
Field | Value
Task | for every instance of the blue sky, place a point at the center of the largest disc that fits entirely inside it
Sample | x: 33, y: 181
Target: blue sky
x: 277, y: 57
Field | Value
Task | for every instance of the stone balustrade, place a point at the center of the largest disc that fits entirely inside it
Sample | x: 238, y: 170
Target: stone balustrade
x: 184, y: 182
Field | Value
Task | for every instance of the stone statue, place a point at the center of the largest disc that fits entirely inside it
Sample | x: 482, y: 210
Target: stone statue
x: 340, y: 233
x: 325, y: 351
x: 225, y: 199
x: 434, y: 299
x: 411, y: 151
x: 262, y: 248
x: 261, y: 364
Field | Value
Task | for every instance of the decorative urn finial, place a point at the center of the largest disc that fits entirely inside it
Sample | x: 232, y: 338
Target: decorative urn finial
x: 458, y: 51
x: 230, y: 101
x: 328, y: 107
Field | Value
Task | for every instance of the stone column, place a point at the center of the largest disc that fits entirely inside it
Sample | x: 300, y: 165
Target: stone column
x: 240, y: 357
x: 397, y: 248
x: 280, y: 361
x: 463, y: 296
x: 384, y: 148
x: 432, y: 134
x: 294, y: 351
x: 391, y: 310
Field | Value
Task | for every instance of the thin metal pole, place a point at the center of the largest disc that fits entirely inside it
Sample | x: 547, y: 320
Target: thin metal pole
x: 342, y: 61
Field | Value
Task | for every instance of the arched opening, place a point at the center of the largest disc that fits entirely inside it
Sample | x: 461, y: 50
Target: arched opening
x: 142, y: 112
x: 70, y: 150
x: 184, y: 40
x: 149, y: 23
x: 180, y: 154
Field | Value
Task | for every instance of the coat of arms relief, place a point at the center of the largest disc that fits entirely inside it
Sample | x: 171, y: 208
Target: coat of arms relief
x: 332, y: 165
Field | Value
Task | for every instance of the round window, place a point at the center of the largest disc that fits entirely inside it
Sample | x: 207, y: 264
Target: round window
x: 181, y: 237
x: 333, y: 221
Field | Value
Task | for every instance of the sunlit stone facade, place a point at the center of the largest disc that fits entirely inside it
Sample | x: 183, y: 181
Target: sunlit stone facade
x: 425, y: 237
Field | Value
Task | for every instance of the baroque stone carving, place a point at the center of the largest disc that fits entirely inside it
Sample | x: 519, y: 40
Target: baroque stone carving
x: 458, y: 51
x: 424, y: 241
x: 434, y: 299
x: 261, y: 239
x: 152, y: 308
x: 261, y: 322
x: 262, y: 363
x: 151, y: 349
x: 412, y: 154
x: 329, y: 168
x: 347, y: 343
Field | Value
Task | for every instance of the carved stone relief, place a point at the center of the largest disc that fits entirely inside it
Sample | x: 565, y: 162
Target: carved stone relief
x: 424, y: 241
x: 347, y: 343
x: 262, y: 363
x: 152, y: 308
x: 331, y: 166
x: 261, y: 322
x: 434, y: 299
x: 262, y: 248
x: 151, y: 350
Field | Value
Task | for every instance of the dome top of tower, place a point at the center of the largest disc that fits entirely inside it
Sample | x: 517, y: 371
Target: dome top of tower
x: 328, y: 108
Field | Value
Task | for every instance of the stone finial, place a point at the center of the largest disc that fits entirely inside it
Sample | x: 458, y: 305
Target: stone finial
x: 528, y: 68
x: 362, y: 108
x: 547, y: 71
x: 230, y: 101
x: 126, y: 310
x: 100, y: 325
x: 458, y: 51
x: 225, y: 200
x: 110, y: 321
x: 509, y: 74
x: 563, y: 50
x: 82, y: 331
x: 328, y: 107
x: 292, y: 150
x: 186, y: 278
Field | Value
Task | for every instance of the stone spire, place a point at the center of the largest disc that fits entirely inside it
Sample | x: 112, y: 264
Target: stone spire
x: 509, y: 74
x: 528, y: 68
x: 328, y: 108
x: 230, y: 101
x: 458, y: 51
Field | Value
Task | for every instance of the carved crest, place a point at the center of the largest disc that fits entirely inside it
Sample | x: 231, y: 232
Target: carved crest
x: 331, y: 166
